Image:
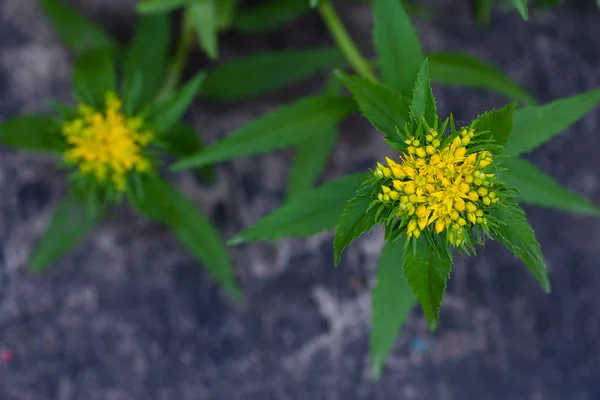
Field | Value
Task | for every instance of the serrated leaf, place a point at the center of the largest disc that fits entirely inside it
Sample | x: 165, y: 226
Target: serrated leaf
x: 167, y: 112
x: 355, y: 221
x: 182, y: 141
x: 518, y: 237
x: 385, y: 109
x: 391, y: 303
x: 160, y: 6
x: 71, y: 221
x: 269, y: 15
x: 146, y: 59
x: 288, y: 126
x: 521, y: 6
x: 497, y: 124
x: 32, y: 132
x: 77, y: 32
x: 534, y: 125
x: 315, y: 211
x: 398, y: 49
x: 204, y: 18
x: 93, y: 77
x: 537, y: 188
x: 423, y: 103
x: 455, y: 69
x: 165, y: 204
x: 427, y: 270
x: 267, y: 72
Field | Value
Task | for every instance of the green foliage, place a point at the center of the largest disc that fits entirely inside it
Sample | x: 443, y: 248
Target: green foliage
x: 266, y: 72
x: 71, y: 221
x: 182, y: 141
x: 521, y: 6
x: 33, y: 133
x: 315, y: 211
x: 77, y: 32
x: 225, y: 13
x: 454, y: 69
x: 391, y: 303
x: 537, y: 188
x: 203, y: 14
x: 535, y: 125
x: 497, y: 124
x: 515, y: 233
x: 423, y: 105
x: 285, y: 127
x: 94, y: 76
x: 160, y: 6
x: 398, y: 49
x: 269, y: 15
x: 163, y: 203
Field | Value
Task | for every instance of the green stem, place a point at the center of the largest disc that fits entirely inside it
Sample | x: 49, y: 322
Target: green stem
x: 173, y: 74
x: 343, y: 40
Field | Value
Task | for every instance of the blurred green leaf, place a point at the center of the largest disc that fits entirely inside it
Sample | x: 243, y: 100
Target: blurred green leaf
x: 267, y: 72
x: 32, y: 132
x: 517, y: 236
x: 94, y: 77
x: 77, y: 32
x: 204, y: 18
x: 427, y: 270
x: 315, y: 211
x: 182, y: 141
x: 160, y: 6
x: 167, y: 112
x: 269, y: 15
x: 534, y: 125
x: 146, y: 57
x: 521, y: 6
x: 454, y: 69
x: 397, y: 44
x: 71, y: 221
x: 163, y: 203
x: 386, y: 110
x: 355, y: 221
x: 496, y: 123
x: 537, y: 188
x: 288, y: 126
x: 313, y: 3
x: 225, y: 13
x: 391, y: 303
x: 423, y: 103
x: 483, y: 12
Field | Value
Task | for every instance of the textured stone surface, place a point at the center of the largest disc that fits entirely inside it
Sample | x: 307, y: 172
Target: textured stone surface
x: 130, y: 315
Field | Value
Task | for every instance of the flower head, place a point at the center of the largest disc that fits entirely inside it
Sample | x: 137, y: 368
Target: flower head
x: 445, y: 183
x: 107, y: 145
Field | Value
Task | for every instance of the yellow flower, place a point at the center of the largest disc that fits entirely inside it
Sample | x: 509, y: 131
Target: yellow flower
x: 439, y: 183
x: 107, y: 146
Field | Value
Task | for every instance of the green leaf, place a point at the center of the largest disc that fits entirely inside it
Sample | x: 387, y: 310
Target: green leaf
x: 534, y: 125
x: 521, y: 6
x: 267, y: 72
x: 285, y: 127
x: 94, y: 77
x: 182, y: 141
x: 160, y: 6
x: 269, y: 15
x: 71, y: 221
x: 397, y: 44
x: 77, y: 32
x: 146, y: 58
x: 313, y: 3
x: 355, y: 221
x: 32, y: 132
x: 423, y: 103
x: 427, y: 270
x: 309, y: 161
x: 315, y: 211
x: 483, y: 12
x: 392, y: 301
x: 385, y: 109
x: 204, y: 18
x: 225, y: 13
x: 454, y: 69
x: 167, y: 112
x: 496, y: 123
x: 537, y: 188
x: 517, y: 236
x: 163, y: 203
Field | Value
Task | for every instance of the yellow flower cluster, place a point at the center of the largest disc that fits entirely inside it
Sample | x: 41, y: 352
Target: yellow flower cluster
x: 107, y: 146
x: 441, y: 185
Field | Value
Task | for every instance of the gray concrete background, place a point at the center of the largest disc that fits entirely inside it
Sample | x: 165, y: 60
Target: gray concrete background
x: 130, y: 315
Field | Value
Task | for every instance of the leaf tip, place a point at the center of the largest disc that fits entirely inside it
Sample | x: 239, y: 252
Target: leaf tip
x: 376, y: 367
